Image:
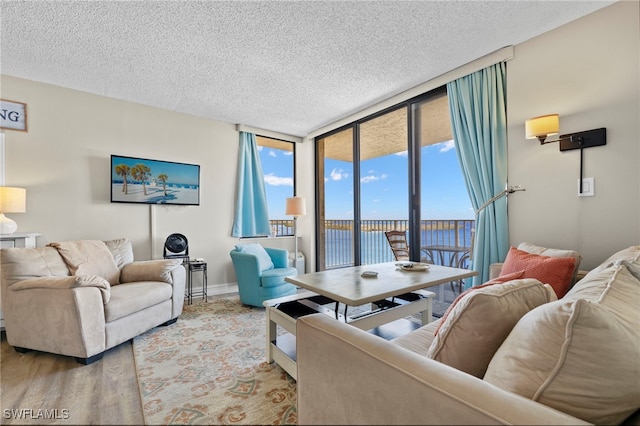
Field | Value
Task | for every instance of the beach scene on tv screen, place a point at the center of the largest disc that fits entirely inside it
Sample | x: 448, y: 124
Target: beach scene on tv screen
x: 136, y: 180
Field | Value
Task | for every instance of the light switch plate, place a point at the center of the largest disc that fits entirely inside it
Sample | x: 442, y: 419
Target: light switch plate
x: 588, y: 188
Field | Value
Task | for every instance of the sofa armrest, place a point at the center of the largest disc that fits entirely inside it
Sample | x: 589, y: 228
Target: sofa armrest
x: 61, y: 315
x: 150, y: 270
x: 169, y: 271
x: 67, y: 282
x: 348, y: 376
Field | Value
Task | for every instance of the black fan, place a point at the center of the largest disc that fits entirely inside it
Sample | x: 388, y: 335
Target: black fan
x: 176, y: 245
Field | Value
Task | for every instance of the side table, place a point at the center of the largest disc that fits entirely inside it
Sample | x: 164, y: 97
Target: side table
x: 196, y: 266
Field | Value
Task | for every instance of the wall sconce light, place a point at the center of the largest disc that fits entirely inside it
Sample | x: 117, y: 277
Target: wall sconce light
x: 548, y: 125
x: 12, y: 200
x: 542, y: 127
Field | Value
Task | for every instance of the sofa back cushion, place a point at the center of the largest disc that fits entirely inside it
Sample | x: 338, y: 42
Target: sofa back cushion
x: 19, y: 264
x: 255, y: 249
x: 121, y: 251
x: 89, y: 257
x: 579, y: 354
x: 630, y: 254
x: 480, y: 321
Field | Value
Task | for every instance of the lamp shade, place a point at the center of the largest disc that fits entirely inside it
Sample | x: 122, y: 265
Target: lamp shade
x: 542, y: 126
x: 295, y: 206
x: 13, y: 200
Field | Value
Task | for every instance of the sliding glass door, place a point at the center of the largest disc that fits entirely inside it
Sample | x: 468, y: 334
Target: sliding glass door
x: 395, y: 170
x: 335, y: 200
x: 384, y: 173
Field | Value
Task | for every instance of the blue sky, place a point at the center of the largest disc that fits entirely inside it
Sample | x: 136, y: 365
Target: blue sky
x: 277, y: 166
x: 383, y: 183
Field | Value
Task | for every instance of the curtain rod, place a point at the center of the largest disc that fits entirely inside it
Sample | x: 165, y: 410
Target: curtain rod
x: 268, y: 133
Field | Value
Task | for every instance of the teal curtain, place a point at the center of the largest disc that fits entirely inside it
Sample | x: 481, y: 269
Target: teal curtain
x: 477, y: 104
x: 252, y: 214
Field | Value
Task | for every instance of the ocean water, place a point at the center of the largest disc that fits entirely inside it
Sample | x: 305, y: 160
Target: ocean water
x: 375, y: 248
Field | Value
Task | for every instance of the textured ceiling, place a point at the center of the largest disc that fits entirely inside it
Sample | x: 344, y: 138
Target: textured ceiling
x: 290, y: 67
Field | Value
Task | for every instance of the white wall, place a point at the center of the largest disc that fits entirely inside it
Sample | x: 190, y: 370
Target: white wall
x: 64, y: 162
x: 588, y: 71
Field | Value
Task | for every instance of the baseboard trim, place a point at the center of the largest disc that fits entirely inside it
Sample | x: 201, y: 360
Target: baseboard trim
x: 217, y: 289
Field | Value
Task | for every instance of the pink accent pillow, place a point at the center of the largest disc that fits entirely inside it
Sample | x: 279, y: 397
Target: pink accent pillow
x: 555, y: 271
x: 498, y: 280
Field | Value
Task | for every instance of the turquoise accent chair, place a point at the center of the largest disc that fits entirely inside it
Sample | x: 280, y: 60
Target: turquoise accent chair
x: 262, y: 277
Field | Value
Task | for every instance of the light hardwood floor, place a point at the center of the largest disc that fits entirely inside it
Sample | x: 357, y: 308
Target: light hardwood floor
x: 38, y: 385
x: 103, y: 393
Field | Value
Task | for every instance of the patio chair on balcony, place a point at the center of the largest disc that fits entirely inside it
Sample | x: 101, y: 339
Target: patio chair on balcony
x: 398, y: 242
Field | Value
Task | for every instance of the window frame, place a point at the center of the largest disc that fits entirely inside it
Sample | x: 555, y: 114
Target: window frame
x: 413, y: 180
x: 260, y: 139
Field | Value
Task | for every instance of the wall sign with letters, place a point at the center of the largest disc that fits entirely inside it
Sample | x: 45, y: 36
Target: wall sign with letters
x: 13, y: 115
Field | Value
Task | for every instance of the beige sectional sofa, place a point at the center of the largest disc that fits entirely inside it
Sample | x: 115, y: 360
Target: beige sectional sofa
x: 80, y: 298
x: 521, y: 356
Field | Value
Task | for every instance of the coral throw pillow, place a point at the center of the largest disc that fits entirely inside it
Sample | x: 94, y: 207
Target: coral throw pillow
x: 555, y: 271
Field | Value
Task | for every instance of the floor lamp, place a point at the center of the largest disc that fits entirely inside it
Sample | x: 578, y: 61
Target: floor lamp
x: 295, y: 207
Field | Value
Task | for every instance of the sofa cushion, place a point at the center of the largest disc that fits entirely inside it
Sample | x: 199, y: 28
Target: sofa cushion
x: 264, y: 260
x: 481, y: 320
x: 630, y: 254
x: 555, y: 271
x: 579, y: 354
x: 19, y: 263
x: 133, y: 297
x: 150, y: 270
x: 497, y: 280
x: 89, y: 257
x: 634, y: 268
x: 275, y: 277
x: 419, y: 340
x: 121, y: 251
x: 56, y: 282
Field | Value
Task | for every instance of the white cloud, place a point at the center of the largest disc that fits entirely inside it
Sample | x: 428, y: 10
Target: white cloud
x: 372, y: 178
x: 273, y: 180
x: 272, y: 153
x: 288, y: 153
x: 338, y: 174
x: 402, y: 154
x: 447, y: 146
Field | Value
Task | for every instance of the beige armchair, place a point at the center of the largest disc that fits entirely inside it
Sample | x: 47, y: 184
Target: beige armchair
x: 80, y: 298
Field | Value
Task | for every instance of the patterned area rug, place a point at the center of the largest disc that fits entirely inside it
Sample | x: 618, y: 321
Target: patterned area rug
x: 210, y: 368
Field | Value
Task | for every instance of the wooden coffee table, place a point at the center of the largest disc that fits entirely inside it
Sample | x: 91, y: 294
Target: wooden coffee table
x: 395, y: 293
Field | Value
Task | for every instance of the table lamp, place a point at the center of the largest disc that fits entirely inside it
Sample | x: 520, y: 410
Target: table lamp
x: 12, y: 200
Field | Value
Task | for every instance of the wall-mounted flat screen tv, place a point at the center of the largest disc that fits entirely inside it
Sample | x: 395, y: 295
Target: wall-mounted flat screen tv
x: 145, y: 181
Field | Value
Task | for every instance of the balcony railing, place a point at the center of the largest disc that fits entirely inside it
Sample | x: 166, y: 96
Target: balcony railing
x: 280, y: 227
x: 338, y: 238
